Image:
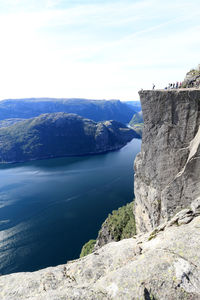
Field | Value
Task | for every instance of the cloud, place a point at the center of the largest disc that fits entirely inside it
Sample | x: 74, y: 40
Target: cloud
x: 95, y: 49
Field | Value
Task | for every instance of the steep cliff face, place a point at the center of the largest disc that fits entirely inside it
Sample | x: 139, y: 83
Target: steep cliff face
x: 167, y: 176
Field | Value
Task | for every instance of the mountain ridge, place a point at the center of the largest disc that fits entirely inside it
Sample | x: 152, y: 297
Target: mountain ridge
x: 59, y: 135
x: 97, y: 110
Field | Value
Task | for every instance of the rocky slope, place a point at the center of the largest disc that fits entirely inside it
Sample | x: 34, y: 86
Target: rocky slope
x: 60, y: 134
x: 162, y: 265
x: 167, y: 169
x: 97, y: 110
x: 192, y: 78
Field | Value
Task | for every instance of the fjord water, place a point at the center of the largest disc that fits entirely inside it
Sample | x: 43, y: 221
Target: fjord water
x: 50, y: 208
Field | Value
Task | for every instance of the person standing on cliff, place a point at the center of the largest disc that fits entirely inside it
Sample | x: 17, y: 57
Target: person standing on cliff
x: 153, y: 86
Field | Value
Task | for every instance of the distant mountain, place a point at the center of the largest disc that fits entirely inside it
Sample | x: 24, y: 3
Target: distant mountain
x: 97, y: 110
x: 137, y: 118
x: 9, y: 122
x: 137, y: 122
x: 136, y: 105
x: 60, y: 134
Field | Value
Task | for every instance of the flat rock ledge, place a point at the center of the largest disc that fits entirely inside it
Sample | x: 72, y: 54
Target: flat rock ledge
x: 162, y: 264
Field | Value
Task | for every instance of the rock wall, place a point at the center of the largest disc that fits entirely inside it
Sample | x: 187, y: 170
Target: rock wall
x: 167, y: 176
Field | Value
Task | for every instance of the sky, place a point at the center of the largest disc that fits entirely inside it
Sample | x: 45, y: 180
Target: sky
x: 97, y: 49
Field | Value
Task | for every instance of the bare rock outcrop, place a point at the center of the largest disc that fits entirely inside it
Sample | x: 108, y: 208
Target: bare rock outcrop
x: 167, y: 177
x: 163, y: 264
x: 192, y: 78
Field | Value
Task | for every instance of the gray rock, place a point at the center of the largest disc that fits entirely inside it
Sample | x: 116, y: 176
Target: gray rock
x: 195, y: 206
x: 185, y: 220
x: 165, y: 267
x: 167, y: 177
x: 192, y: 78
x: 104, y: 237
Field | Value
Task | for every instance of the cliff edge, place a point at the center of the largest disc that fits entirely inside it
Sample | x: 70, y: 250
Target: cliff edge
x: 167, y: 168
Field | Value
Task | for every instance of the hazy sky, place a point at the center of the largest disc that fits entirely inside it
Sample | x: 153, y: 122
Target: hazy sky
x: 95, y: 48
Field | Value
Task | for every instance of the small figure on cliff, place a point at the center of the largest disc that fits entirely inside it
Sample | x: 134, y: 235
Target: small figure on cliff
x: 153, y: 87
x: 176, y: 84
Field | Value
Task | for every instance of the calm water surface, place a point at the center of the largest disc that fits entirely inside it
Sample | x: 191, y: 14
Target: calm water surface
x: 50, y: 208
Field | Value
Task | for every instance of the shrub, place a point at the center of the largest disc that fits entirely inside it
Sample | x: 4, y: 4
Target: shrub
x: 87, y: 248
x: 122, y: 222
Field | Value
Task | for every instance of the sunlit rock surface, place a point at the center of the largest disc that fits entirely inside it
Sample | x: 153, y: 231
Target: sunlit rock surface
x: 167, y: 176
x: 162, y: 264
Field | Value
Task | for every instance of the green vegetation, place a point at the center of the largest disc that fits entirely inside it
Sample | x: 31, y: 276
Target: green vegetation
x: 121, y: 222
x: 59, y: 135
x: 137, y: 123
x: 119, y: 225
x: 152, y: 235
x: 87, y: 248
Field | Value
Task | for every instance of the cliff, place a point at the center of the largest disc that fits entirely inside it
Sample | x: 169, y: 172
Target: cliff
x: 167, y: 168
x: 163, y: 263
x: 58, y: 135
